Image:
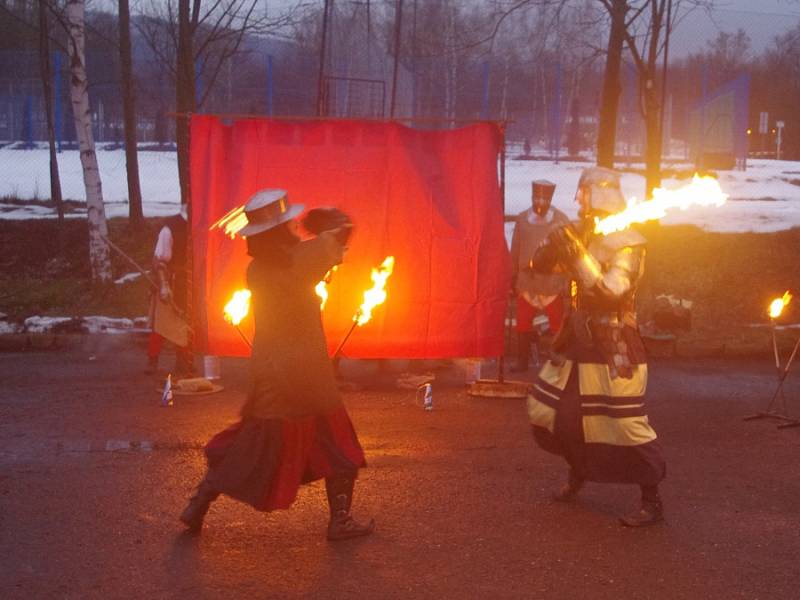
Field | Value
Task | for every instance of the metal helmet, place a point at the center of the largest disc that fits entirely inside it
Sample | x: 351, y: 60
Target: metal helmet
x: 605, y: 187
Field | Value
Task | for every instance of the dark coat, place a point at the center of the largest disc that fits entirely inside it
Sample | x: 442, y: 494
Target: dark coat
x: 291, y: 373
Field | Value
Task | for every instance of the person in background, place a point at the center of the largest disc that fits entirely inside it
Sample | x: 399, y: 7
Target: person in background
x: 587, y: 403
x: 535, y: 292
x: 294, y: 428
x: 169, y: 265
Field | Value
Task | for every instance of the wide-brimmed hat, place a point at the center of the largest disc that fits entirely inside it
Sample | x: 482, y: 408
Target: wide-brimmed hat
x: 542, y: 188
x: 267, y: 209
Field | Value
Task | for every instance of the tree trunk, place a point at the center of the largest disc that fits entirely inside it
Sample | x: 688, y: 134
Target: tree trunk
x: 98, y: 249
x: 46, y: 73
x: 653, y: 144
x: 184, y: 97
x: 609, y: 101
x: 135, y: 214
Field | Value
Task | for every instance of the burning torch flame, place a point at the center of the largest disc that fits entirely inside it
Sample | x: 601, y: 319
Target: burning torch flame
x: 376, y: 295
x: 702, y: 191
x: 321, y: 289
x: 232, y: 222
x: 237, y: 307
x: 776, y: 306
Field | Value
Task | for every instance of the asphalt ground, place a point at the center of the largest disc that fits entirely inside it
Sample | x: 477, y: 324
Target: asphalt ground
x: 93, y: 473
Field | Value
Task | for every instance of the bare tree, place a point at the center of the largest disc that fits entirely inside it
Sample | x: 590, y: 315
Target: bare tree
x: 195, y: 39
x: 99, y: 259
x: 46, y: 73
x: 135, y: 213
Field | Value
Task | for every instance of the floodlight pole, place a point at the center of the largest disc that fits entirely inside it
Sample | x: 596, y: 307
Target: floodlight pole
x: 398, y: 24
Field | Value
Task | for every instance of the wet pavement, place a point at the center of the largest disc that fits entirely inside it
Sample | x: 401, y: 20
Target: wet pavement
x: 93, y: 473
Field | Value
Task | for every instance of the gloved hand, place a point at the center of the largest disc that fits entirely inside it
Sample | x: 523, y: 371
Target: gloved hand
x: 326, y: 218
x: 566, y: 242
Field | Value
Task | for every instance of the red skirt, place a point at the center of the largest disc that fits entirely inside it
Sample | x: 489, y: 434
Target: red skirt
x: 264, y: 461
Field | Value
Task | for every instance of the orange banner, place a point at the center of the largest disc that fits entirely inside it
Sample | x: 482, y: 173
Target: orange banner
x: 431, y: 199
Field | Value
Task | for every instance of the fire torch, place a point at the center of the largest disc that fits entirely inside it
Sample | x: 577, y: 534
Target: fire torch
x: 373, y: 297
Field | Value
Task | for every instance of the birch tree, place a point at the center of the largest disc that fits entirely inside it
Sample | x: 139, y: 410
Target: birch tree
x: 99, y: 258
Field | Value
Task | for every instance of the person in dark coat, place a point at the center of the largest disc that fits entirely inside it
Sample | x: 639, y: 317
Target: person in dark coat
x: 294, y: 428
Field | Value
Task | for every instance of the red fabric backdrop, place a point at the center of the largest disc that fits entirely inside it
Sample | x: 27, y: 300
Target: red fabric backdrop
x: 430, y: 198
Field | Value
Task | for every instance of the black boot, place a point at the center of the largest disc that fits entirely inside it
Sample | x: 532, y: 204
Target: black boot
x: 194, y: 513
x: 342, y: 526
x: 523, y: 351
x: 569, y: 491
x: 651, y: 512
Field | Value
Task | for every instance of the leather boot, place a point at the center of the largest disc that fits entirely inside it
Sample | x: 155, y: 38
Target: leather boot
x: 523, y: 351
x: 569, y: 491
x: 342, y: 525
x: 194, y: 513
x: 651, y: 512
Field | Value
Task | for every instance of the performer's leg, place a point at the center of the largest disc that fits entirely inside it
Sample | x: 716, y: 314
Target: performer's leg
x: 651, y: 512
x: 342, y: 526
x: 154, y: 344
x: 525, y: 314
x: 570, y: 490
x: 194, y: 513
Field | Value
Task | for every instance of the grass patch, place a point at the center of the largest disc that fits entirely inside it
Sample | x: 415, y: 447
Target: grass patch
x: 730, y: 277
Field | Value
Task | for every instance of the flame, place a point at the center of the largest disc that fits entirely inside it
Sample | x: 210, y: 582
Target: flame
x: 776, y: 306
x: 232, y: 222
x: 237, y: 307
x: 376, y: 295
x: 702, y: 191
x: 321, y: 289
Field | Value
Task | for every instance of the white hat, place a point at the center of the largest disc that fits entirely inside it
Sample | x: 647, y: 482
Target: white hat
x: 267, y: 209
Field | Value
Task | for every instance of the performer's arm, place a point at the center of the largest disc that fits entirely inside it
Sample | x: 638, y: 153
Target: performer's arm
x: 333, y: 229
x: 161, y: 257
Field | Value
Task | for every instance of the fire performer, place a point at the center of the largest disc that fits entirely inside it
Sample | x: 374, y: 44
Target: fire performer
x: 294, y: 428
x: 535, y: 291
x: 587, y: 404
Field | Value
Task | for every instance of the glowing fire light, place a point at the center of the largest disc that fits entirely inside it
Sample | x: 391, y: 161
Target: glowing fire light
x: 376, y: 295
x: 321, y: 289
x: 776, y: 306
x: 237, y: 307
x: 232, y: 222
x: 702, y: 191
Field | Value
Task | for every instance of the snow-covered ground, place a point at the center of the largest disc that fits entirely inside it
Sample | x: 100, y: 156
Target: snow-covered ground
x: 762, y: 198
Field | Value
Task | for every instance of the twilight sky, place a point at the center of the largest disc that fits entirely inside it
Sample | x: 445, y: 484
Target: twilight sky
x: 762, y: 20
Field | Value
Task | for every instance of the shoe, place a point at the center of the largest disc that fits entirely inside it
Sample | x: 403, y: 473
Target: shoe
x: 194, y: 513
x: 649, y: 514
x: 342, y: 525
x: 569, y: 491
x: 346, y: 527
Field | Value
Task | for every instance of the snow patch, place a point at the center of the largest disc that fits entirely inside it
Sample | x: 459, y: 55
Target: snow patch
x: 39, y: 324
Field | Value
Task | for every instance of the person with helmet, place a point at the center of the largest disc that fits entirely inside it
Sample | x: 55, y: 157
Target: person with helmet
x: 294, y: 428
x: 535, y: 292
x: 587, y: 403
